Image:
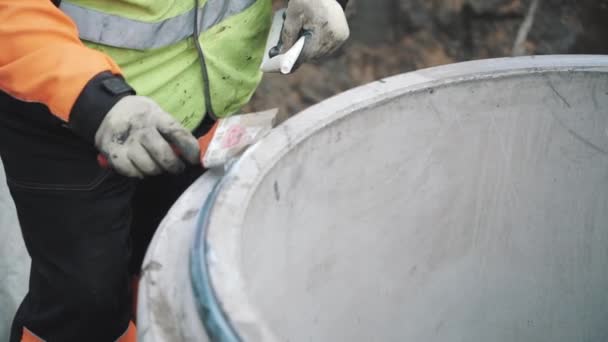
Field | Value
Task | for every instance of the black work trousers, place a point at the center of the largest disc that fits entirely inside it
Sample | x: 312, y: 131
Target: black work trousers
x: 85, y: 228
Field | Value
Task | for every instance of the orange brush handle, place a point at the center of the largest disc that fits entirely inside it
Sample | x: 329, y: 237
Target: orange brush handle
x: 203, y: 143
x: 105, y: 164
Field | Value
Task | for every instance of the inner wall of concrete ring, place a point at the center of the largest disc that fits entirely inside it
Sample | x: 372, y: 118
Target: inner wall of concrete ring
x: 469, y: 205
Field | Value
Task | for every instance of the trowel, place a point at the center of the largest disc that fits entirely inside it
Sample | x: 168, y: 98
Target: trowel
x: 231, y: 136
x: 228, y: 138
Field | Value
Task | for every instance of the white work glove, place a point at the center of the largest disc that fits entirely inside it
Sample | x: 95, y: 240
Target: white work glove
x: 324, y: 19
x: 137, y: 138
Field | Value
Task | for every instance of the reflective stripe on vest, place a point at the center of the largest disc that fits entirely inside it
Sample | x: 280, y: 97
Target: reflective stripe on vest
x: 112, y: 30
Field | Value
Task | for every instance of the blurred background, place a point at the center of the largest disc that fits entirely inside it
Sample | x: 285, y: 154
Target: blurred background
x: 389, y: 37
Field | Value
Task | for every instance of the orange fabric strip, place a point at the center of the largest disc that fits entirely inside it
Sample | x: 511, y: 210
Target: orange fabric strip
x: 130, y: 335
x: 28, y: 336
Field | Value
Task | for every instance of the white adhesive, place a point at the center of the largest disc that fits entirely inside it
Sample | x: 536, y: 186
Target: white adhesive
x: 284, y: 63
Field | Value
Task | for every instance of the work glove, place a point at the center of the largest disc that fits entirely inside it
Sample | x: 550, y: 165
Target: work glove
x: 323, y: 19
x: 139, y: 139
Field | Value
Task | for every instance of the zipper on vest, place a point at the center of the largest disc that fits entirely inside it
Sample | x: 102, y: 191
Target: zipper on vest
x: 202, y: 61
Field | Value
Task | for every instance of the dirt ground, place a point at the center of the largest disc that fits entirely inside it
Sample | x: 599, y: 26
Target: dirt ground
x: 389, y: 37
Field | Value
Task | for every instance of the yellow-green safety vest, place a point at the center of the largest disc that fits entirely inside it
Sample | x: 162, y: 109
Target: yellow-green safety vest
x: 153, y: 43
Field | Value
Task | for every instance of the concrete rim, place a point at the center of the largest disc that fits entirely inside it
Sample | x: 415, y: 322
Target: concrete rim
x: 228, y: 212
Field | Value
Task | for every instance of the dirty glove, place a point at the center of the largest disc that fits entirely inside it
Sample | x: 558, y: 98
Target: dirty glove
x: 136, y: 137
x: 324, y: 19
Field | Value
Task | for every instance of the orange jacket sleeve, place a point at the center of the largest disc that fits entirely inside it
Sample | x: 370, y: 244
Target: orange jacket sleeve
x: 43, y: 60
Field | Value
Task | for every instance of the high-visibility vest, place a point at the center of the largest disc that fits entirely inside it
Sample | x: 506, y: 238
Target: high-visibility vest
x: 153, y: 43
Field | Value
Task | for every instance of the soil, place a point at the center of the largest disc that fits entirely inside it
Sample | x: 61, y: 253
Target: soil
x: 390, y: 37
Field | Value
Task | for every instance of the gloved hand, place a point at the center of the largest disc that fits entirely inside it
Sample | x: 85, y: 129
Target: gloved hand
x: 325, y: 19
x: 136, y: 138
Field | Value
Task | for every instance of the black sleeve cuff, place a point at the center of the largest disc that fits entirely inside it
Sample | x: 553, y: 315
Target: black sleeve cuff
x: 95, y: 101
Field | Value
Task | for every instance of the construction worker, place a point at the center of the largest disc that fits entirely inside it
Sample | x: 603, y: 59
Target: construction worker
x: 129, y: 79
